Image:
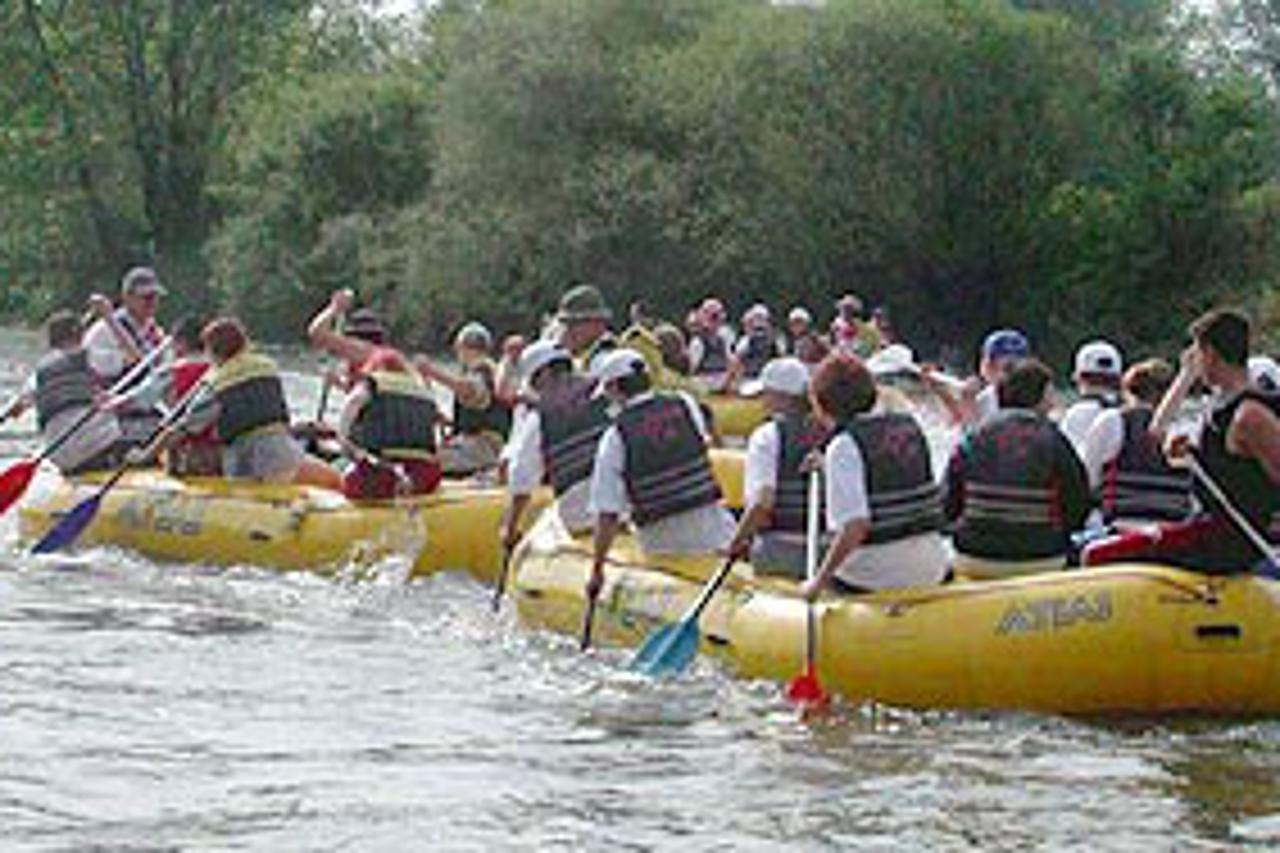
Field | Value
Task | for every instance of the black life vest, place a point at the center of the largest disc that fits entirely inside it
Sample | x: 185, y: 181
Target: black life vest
x: 1139, y: 483
x: 798, y: 436
x: 250, y: 396
x: 761, y: 348
x: 493, y: 418
x: 1242, y: 478
x: 398, y: 421
x: 667, y: 468
x: 64, y: 381
x: 715, y: 353
x: 904, y: 497
x: 572, y: 423
x: 1012, y: 504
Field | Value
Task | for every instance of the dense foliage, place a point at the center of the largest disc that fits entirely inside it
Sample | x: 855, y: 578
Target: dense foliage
x: 1067, y: 165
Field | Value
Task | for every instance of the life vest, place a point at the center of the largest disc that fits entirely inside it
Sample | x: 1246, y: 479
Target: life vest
x: 250, y: 396
x: 1139, y: 483
x: 1012, y: 505
x: 760, y: 349
x: 798, y: 436
x: 1242, y: 478
x: 667, y: 468
x: 495, y: 417
x: 64, y: 381
x: 398, y: 421
x: 572, y: 423
x: 715, y: 353
x: 902, y: 494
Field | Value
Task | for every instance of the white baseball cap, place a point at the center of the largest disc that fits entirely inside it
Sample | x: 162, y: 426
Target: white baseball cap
x: 798, y: 314
x: 785, y: 376
x: 1099, y: 357
x: 617, y: 364
x: 540, y: 354
x: 1265, y: 373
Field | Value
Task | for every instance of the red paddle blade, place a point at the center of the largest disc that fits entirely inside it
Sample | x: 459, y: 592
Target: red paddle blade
x: 805, y: 690
x: 14, y: 482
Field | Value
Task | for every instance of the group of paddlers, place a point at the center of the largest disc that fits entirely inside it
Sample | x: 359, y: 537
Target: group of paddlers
x: 618, y: 427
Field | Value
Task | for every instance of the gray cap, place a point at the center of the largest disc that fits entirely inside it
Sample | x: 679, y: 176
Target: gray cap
x: 141, y: 281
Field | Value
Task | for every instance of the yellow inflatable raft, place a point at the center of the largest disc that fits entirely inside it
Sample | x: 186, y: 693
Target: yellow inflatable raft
x: 223, y: 522
x: 1122, y: 639
x: 735, y: 415
x: 283, y: 527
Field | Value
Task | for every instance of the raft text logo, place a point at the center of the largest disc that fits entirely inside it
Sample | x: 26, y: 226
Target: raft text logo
x: 1054, y: 614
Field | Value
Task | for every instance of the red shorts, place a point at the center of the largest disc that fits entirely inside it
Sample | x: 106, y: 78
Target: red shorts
x: 366, y: 481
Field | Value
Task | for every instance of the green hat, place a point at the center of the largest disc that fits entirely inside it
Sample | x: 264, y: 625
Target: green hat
x: 583, y: 302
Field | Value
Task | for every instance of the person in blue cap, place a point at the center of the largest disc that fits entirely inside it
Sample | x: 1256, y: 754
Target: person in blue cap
x: 977, y: 401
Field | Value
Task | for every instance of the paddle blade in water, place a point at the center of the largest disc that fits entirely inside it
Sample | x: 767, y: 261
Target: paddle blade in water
x: 805, y: 690
x: 668, y: 651
x: 14, y: 482
x: 69, y: 527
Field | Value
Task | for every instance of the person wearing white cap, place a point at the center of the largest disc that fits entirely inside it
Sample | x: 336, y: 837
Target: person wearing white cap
x: 802, y: 341
x: 711, y: 342
x: 121, y: 337
x: 653, y: 463
x: 1264, y: 373
x: 757, y: 346
x: 554, y: 441
x: 1133, y: 482
x: 481, y: 420
x: 773, y: 527
x: 1098, y: 369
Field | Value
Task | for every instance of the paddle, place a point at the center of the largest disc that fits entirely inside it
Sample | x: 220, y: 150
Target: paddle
x: 669, y: 650
x: 71, y: 525
x: 805, y: 689
x: 1251, y: 533
x: 500, y: 587
x: 15, y: 480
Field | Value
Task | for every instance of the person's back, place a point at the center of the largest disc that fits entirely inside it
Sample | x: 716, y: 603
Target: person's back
x: 1016, y: 489
x: 63, y: 390
x: 393, y: 418
x: 1098, y: 370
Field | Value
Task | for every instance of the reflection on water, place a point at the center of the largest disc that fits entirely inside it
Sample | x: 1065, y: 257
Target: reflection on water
x: 150, y: 707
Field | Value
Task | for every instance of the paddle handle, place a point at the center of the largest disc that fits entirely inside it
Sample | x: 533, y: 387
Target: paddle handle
x: 811, y: 563
x: 704, y: 597
x: 500, y: 587
x: 1251, y: 533
x: 588, y: 620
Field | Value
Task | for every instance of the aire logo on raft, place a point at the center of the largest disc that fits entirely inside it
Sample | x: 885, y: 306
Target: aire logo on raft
x: 1054, y: 614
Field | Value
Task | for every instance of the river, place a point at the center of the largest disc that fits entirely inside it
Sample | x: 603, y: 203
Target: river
x: 157, y: 707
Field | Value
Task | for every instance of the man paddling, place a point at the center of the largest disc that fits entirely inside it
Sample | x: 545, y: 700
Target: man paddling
x: 481, y: 418
x: 62, y: 389
x: 555, y: 441
x: 1098, y: 370
x: 1238, y: 448
x: 775, y: 480
x: 121, y: 337
x: 652, y: 463
x: 389, y: 416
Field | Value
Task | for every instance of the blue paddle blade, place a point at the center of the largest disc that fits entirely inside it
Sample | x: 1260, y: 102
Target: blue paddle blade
x: 69, y: 527
x: 668, y: 651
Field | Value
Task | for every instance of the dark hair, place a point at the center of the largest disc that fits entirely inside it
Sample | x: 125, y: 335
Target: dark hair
x: 842, y: 387
x: 224, y: 337
x: 634, y: 383
x: 1023, y: 385
x: 1226, y: 332
x: 63, y: 328
x: 1148, y: 380
x: 186, y: 331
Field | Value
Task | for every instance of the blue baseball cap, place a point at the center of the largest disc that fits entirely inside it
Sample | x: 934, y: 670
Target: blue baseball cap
x: 1005, y: 343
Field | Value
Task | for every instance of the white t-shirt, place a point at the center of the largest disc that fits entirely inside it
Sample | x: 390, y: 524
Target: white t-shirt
x: 106, y: 356
x: 528, y: 469
x: 1102, y: 444
x: 987, y: 403
x: 707, y: 528
x: 760, y: 471
x: 1078, y: 419
x: 919, y: 560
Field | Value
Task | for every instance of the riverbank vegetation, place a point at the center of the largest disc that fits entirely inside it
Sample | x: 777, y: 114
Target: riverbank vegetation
x: 1073, y: 166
